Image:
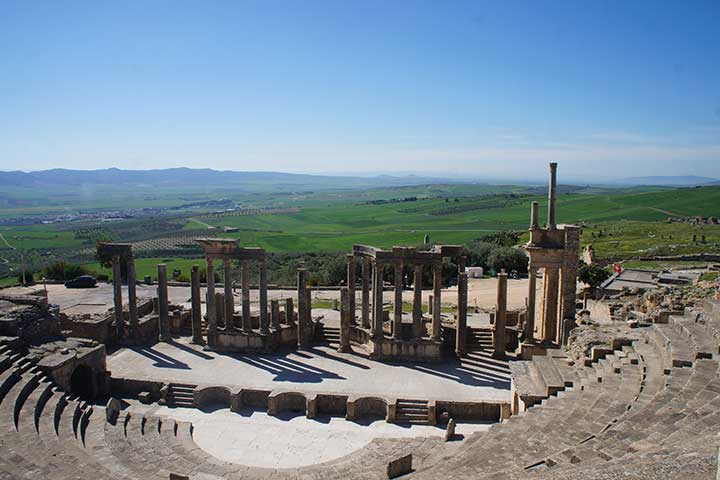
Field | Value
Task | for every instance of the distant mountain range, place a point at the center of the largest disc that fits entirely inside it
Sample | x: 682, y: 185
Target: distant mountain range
x: 191, y: 176
x: 226, y: 178
x: 677, y: 181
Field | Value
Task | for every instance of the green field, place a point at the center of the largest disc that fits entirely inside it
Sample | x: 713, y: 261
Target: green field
x: 620, y: 223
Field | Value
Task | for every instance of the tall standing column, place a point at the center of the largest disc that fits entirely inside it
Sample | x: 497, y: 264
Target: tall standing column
x: 351, y: 286
x: 344, y: 346
x: 377, y: 333
x: 303, y: 321
x: 117, y: 297
x: 529, y: 332
x: 551, y: 281
x: 229, y: 299
x: 132, y: 294
x: 366, y: 292
x: 552, y: 224
x: 289, y: 311
x: 461, y: 325
x: 500, y: 315
x: 196, y: 305
x: 398, y: 303
x: 162, y: 291
x: 417, y: 313
x: 262, y: 267
x: 210, y: 301
x: 437, y: 301
x: 246, y: 320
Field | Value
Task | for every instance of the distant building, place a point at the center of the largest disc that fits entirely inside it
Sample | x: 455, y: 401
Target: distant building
x: 474, y: 272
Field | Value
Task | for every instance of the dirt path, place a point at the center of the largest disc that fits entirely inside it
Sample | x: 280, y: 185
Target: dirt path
x: 6, y: 242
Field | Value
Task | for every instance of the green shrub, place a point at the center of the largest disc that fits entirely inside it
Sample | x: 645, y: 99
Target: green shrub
x: 63, y: 271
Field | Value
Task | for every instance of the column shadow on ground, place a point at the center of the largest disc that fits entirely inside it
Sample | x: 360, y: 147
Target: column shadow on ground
x: 286, y: 369
x: 161, y: 360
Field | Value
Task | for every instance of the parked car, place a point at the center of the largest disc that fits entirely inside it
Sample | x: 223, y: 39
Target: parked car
x: 83, y: 281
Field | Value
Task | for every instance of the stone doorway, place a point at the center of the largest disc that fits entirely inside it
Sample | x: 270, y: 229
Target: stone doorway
x: 81, y: 382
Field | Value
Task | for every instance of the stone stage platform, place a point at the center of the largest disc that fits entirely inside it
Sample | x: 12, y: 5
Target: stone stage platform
x: 477, y: 378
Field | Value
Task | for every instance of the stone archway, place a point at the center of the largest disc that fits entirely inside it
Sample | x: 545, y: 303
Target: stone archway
x: 82, y: 382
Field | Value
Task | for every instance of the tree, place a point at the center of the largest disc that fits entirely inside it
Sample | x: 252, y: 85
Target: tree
x: 509, y: 259
x: 592, y: 274
x: 61, y: 270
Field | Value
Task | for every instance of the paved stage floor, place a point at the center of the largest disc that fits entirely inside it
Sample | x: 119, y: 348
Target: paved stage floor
x: 320, y: 369
x: 254, y: 438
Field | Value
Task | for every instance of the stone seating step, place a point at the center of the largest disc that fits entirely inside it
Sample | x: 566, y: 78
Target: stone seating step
x: 678, y: 344
x: 704, y: 346
x: 549, y: 374
x: 528, y: 382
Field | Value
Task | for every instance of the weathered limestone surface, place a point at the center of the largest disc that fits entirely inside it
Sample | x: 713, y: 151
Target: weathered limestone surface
x: 196, y: 305
x: 499, y: 339
x: 164, y: 321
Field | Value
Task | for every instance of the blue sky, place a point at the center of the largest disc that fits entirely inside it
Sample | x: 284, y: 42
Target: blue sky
x: 608, y: 89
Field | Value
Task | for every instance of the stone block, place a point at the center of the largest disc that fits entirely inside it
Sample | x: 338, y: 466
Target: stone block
x: 450, y: 430
x: 145, y: 397
x: 399, y: 466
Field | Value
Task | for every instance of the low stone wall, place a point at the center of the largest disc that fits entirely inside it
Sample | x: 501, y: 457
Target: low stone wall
x: 279, y: 402
x: 211, y: 396
x: 130, y: 388
x: 416, y: 350
x: 358, y: 407
x: 93, y: 328
x: 489, y: 411
x: 238, y: 341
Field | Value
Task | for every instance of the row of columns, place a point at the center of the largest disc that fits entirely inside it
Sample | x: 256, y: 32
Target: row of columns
x: 229, y: 307
x: 372, y: 280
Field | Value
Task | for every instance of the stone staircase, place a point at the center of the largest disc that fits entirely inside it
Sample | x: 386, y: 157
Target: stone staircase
x: 180, y: 395
x: 412, y: 411
x: 479, y: 339
x: 328, y: 335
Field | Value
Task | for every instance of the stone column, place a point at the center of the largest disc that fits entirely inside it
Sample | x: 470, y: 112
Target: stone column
x: 196, y: 305
x: 289, y: 311
x: 229, y: 309
x: 351, y: 286
x: 275, y: 314
x: 534, y: 222
x: 117, y: 297
x: 397, y: 303
x: 377, y: 332
x: 132, y: 294
x: 461, y: 324
x: 303, y: 321
x: 262, y: 267
x: 366, y: 267
x: 246, y: 320
x: 551, y: 281
x: 417, y: 313
x: 568, y: 282
x: 437, y: 286
x: 500, y: 315
x: 552, y: 223
x: 344, y: 320
x: 220, y: 309
x: 529, y: 332
x: 461, y: 261
x: 210, y: 301
x: 162, y: 291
